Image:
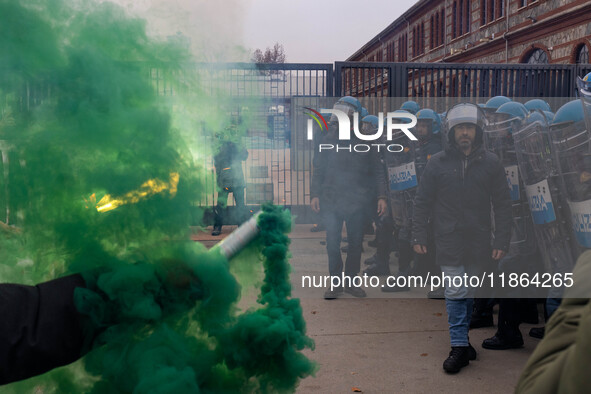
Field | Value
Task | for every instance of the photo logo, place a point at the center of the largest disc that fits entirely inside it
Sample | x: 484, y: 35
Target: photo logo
x: 318, y: 118
x: 344, y: 129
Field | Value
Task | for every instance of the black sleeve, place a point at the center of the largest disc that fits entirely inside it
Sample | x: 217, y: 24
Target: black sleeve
x: 423, y: 204
x: 39, y: 328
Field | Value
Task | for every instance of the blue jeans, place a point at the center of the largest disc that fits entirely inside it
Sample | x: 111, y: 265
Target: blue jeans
x: 459, y: 301
x: 333, y: 221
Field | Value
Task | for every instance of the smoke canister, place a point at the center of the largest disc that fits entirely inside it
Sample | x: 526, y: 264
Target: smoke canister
x: 239, y: 238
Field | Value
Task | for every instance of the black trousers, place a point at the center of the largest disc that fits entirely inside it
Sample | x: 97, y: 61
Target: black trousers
x: 220, y: 209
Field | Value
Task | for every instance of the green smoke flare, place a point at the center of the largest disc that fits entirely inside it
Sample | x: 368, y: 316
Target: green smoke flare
x: 80, y: 119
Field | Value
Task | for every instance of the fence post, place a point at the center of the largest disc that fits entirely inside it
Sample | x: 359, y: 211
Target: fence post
x: 330, y: 81
x: 338, y: 79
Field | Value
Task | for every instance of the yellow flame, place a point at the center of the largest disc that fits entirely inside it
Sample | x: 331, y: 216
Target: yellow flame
x: 148, y: 188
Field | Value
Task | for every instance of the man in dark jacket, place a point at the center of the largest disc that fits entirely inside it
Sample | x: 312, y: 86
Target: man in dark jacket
x: 456, y: 191
x: 343, y: 183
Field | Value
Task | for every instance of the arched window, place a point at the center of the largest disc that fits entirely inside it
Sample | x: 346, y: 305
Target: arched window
x: 582, y: 54
x: 537, y: 56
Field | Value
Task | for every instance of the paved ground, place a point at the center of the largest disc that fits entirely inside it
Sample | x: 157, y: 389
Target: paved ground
x: 387, y: 345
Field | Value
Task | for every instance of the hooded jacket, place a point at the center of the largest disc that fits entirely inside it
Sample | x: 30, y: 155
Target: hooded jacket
x: 457, y: 192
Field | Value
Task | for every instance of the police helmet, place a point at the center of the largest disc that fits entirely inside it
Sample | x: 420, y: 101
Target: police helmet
x: 537, y: 104
x: 401, y: 119
x: 585, y: 82
x: 495, y: 102
x: 465, y: 113
x: 513, y: 109
x: 537, y: 116
x: 549, y: 115
x: 429, y: 114
x: 369, y: 124
x: 404, y: 120
x: 348, y: 105
x: 410, y: 106
x: 364, y: 113
x: 569, y: 112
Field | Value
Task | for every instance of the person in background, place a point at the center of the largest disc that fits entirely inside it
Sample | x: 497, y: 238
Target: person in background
x: 229, y: 176
x: 341, y: 183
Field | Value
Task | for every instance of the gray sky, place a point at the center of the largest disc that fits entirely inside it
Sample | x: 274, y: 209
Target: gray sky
x: 318, y: 31
x: 311, y: 31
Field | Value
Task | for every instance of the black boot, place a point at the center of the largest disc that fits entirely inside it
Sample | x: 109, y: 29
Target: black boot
x: 457, y: 359
x: 217, y: 230
x: 498, y: 342
x: 537, y: 332
x: 331, y: 294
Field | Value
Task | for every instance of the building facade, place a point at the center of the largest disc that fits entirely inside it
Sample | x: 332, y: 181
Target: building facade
x: 485, y: 31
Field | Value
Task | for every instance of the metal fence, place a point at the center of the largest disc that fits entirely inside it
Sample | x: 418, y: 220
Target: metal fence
x: 282, y: 173
x: 279, y: 166
x: 425, y: 81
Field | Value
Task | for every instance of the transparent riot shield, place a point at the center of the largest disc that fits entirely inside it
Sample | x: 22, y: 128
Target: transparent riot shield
x: 571, y: 147
x: 498, y: 138
x: 585, y: 95
x: 402, y: 181
x: 578, y: 159
x: 546, y: 202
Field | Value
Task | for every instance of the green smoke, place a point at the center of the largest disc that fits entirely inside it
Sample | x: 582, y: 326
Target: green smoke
x: 81, y: 119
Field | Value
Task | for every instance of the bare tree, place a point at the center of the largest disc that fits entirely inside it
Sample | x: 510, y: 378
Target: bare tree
x: 274, y: 55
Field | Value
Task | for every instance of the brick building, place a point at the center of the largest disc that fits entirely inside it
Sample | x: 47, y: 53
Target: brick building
x: 485, y: 31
